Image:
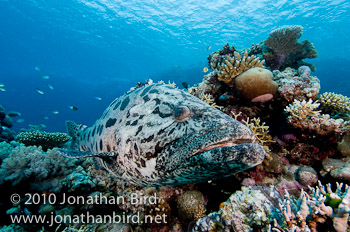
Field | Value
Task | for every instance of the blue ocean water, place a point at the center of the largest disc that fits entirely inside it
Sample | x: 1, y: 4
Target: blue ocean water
x: 101, y: 48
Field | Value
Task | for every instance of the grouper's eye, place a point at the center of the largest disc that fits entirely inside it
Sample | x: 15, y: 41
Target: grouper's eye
x: 181, y: 113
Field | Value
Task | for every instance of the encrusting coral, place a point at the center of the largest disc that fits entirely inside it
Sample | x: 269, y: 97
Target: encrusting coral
x: 334, y: 103
x: 44, y: 139
x: 297, y: 84
x: 236, y: 65
x: 303, y: 115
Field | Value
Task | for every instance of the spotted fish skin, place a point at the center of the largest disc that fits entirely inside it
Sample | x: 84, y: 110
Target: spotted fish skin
x: 157, y: 135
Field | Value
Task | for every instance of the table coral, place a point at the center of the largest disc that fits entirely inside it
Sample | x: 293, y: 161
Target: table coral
x: 233, y: 66
x: 44, y: 139
x: 292, y: 86
x: 334, y: 103
x: 287, y: 51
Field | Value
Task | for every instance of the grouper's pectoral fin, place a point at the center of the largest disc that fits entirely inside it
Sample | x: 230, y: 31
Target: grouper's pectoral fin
x: 85, y: 154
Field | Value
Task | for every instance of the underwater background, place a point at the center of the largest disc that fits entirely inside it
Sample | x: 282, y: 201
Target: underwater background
x: 94, y: 51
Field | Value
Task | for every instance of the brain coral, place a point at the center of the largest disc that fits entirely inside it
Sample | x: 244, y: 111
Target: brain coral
x: 256, y: 82
x: 44, y: 139
x: 234, y: 66
x: 334, y: 103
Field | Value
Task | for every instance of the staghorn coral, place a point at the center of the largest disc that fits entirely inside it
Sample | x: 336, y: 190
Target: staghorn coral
x: 47, y: 169
x: 302, y: 109
x: 334, y: 103
x: 236, y: 65
x: 303, y: 115
x: 259, y: 129
x: 308, y: 211
x: 44, y: 139
x: 296, y: 84
x: 209, y: 99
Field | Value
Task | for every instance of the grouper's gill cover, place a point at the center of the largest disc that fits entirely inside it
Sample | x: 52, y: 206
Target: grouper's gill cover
x: 157, y: 135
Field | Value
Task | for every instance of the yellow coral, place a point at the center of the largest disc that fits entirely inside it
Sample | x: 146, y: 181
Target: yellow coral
x: 171, y: 84
x: 259, y: 129
x: 334, y: 103
x: 209, y: 99
x: 236, y: 65
x: 303, y: 109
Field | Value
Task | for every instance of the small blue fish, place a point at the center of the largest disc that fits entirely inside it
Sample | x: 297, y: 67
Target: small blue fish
x: 45, y: 77
x: 39, y: 91
x: 50, y: 87
x: 55, y: 112
x: 98, y: 98
x: 73, y: 108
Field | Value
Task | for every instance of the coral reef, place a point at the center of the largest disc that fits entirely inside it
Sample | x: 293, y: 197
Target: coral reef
x: 236, y: 65
x: 285, y: 49
x: 303, y: 115
x: 284, y: 40
x: 47, y: 169
x: 344, y: 145
x: 336, y: 168
x: 191, y: 205
x: 44, y: 139
x: 292, y: 85
x: 306, y: 213
x: 334, y: 103
x: 245, y: 210
x: 256, y: 83
x: 5, y: 124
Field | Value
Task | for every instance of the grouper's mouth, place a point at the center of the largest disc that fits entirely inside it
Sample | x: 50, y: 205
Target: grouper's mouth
x: 228, y: 142
x: 209, y: 144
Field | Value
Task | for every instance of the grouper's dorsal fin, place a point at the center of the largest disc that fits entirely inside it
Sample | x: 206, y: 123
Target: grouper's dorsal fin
x: 73, y: 129
x: 85, y: 154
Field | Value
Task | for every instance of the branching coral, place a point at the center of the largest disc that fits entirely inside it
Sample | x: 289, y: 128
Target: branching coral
x: 209, y: 99
x: 304, y: 115
x: 334, y: 103
x: 236, y: 65
x: 260, y: 130
x: 304, y: 214
x: 303, y: 109
x: 44, y: 139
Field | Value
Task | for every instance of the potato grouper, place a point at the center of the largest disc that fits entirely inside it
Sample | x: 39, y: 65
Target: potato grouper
x: 157, y: 135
